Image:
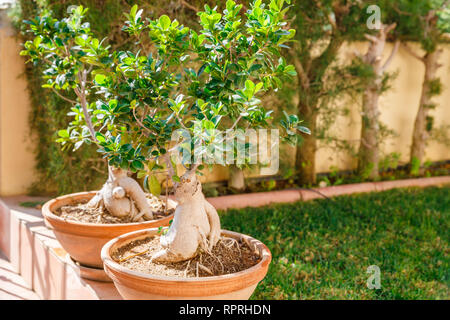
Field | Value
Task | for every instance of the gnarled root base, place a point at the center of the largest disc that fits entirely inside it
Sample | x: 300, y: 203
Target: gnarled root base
x: 196, y: 223
x: 228, y: 256
x: 122, y: 196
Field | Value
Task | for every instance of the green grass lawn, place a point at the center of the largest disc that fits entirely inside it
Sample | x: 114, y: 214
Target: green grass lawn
x: 321, y: 249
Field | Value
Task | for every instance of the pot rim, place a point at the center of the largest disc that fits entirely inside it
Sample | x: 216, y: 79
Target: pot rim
x: 51, y: 217
x: 108, y: 262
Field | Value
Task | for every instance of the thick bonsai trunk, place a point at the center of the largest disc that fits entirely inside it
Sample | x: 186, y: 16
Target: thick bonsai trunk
x: 122, y: 196
x: 196, y: 224
x: 305, y: 160
x: 236, y: 179
x: 369, y: 147
x: 420, y: 132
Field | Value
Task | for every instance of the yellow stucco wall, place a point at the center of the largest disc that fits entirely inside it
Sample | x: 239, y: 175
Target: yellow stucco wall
x: 16, y: 157
x: 398, y: 109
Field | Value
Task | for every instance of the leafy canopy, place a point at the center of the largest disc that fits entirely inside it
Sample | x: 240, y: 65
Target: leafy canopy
x: 130, y: 103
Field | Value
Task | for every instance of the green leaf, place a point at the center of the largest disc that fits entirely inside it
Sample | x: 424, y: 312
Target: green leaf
x: 133, y: 11
x: 100, y: 79
x: 37, y: 41
x: 154, y: 186
x: 146, y: 184
x: 150, y: 165
x: 174, y: 165
x: 165, y: 22
x: 249, y: 85
x: 255, y: 67
x: 100, y: 137
x: 258, y: 87
x: 304, y: 129
x: 136, y: 164
x: 141, y: 174
x: 59, y: 42
x: 63, y: 133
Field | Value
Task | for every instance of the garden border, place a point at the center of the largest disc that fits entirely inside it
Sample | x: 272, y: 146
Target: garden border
x: 258, y: 199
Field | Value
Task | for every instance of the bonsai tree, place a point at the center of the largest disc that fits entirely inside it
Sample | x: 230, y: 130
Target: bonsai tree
x: 77, y: 63
x: 238, y: 59
x: 224, y: 68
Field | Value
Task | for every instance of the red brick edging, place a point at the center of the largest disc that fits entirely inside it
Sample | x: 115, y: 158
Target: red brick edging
x: 259, y: 199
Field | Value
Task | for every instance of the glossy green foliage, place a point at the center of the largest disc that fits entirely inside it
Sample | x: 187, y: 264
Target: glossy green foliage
x: 130, y: 102
x: 425, y: 21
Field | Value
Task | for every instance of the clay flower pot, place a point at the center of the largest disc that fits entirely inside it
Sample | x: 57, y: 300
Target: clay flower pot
x: 135, y: 285
x: 84, y: 241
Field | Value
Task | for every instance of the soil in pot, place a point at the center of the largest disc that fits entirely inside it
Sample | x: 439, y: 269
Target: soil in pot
x: 227, y: 256
x: 81, y: 213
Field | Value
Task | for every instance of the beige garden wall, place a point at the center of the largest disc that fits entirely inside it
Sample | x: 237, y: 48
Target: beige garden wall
x: 16, y: 157
x: 398, y: 109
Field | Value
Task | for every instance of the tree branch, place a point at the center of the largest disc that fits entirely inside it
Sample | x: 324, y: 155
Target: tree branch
x: 393, y: 52
x: 188, y: 5
x: 411, y: 52
x: 81, y: 93
x: 301, y: 74
x: 141, y: 124
x: 62, y: 97
x: 370, y: 38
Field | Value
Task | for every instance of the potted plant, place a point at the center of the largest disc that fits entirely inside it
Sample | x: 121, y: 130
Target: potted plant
x: 75, y: 64
x: 231, y: 61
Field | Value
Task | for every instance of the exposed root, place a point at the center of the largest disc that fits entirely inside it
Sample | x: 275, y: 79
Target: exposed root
x: 187, y: 268
x: 133, y: 255
x: 80, y: 211
x: 209, y: 253
x: 224, y: 258
x: 250, y: 245
x: 199, y: 265
x: 231, y: 243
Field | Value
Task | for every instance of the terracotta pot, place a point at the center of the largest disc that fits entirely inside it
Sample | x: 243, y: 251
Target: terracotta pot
x: 84, y: 241
x: 135, y: 285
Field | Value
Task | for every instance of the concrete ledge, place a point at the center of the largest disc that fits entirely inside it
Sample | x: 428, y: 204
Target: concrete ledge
x: 12, y: 285
x: 258, y: 199
x: 36, y: 255
x: 5, y: 231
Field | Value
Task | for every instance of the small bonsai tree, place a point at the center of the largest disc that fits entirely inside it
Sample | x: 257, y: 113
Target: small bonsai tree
x: 196, y: 84
x: 78, y: 64
x: 238, y: 59
x: 223, y: 69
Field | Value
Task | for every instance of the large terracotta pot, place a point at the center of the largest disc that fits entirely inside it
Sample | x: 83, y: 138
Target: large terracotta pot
x: 84, y: 241
x: 135, y: 285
